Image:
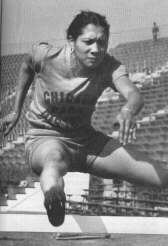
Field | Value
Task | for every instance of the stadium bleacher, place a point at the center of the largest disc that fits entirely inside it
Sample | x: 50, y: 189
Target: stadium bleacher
x: 142, y: 54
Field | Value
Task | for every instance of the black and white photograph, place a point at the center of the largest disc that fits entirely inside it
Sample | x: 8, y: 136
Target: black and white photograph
x: 84, y: 122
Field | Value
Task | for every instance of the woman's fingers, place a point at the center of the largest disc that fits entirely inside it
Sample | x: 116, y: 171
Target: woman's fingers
x: 127, y: 132
x: 8, y: 122
x: 132, y: 132
x: 121, y: 131
x: 126, y: 125
x: 7, y: 129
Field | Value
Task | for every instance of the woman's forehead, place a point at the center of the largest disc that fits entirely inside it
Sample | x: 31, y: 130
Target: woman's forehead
x: 92, y: 31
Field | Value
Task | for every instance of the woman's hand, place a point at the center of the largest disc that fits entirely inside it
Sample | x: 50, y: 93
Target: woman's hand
x: 8, y: 122
x: 127, y: 126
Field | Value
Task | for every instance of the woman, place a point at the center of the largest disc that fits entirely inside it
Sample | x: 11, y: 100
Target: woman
x: 68, y: 82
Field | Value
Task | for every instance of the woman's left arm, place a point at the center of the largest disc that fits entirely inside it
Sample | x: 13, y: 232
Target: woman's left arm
x: 126, y: 117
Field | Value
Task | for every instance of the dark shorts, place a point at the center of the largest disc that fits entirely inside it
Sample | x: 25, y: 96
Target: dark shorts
x: 82, y: 146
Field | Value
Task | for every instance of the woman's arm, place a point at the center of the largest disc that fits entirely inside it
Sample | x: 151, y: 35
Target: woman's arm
x: 131, y: 93
x: 25, y: 79
x: 134, y: 103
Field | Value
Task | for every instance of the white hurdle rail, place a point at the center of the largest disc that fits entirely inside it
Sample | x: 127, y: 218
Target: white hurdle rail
x: 38, y: 222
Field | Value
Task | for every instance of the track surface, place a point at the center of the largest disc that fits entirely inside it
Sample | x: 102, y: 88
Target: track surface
x: 50, y: 239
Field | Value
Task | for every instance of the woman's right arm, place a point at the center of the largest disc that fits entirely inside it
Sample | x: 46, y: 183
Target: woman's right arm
x: 25, y: 79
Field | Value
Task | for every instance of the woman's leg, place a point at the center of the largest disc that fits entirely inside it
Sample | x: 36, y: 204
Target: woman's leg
x: 129, y: 164
x: 51, y: 162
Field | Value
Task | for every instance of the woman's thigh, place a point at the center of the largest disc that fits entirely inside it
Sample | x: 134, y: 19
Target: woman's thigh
x: 127, y: 163
x: 45, y: 151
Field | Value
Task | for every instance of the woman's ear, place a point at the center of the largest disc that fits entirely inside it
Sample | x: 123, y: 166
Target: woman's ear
x: 70, y: 38
x: 71, y: 43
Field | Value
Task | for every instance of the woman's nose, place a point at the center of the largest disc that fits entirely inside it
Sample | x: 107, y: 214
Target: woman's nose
x: 94, y: 48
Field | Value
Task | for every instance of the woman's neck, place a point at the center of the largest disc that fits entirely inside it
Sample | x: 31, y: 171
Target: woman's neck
x: 77, y: 69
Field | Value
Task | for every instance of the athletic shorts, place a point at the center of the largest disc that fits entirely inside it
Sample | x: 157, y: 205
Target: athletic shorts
x: 81, y: 146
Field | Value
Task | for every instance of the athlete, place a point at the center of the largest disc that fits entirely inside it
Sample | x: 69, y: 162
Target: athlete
x: 68, y: 81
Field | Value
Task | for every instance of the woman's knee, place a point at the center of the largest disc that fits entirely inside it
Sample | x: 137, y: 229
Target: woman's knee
x: 51, y: 157
x: 56, y: 161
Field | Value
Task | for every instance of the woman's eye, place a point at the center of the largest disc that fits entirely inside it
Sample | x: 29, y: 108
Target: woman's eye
x: 99, y: 42
x: 89, y: 42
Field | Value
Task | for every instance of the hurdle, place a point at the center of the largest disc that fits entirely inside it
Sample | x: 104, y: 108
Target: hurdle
x: 13, y: 221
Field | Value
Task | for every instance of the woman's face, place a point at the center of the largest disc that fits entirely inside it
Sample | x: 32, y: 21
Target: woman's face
x: 90, y: 46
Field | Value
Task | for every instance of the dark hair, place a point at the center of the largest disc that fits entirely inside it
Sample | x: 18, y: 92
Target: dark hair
x: 83, y: 19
